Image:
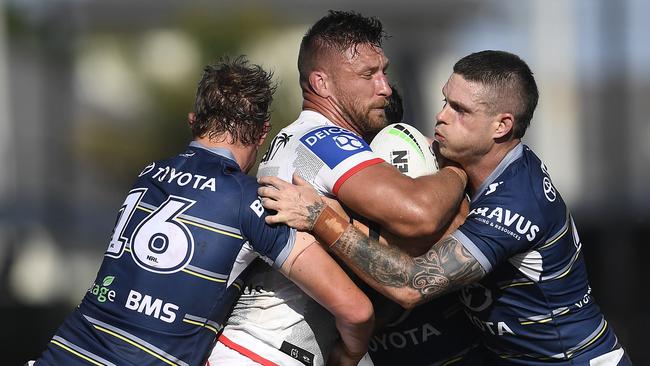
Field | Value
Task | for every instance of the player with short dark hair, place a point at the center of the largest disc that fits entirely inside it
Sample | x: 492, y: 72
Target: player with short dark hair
x: 345, y: 90
x: 186, y: 234
x: 517, y: 257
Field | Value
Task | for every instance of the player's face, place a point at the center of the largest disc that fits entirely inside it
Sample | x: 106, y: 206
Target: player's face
x: 361, y: 89
x: 465, y: 126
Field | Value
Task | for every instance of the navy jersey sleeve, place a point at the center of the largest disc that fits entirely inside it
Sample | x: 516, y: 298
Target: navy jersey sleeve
x: 272, y: 242
x: 500, y: 226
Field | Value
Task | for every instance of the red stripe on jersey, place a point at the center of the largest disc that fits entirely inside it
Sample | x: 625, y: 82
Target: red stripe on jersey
x: 352, y: 172
x: 245, y: 351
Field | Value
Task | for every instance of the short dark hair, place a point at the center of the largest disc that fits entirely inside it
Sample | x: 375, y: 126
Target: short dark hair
x: 233, y: 97
x: 337, y: 31
x: 509, y: 77
x: 395, y: 109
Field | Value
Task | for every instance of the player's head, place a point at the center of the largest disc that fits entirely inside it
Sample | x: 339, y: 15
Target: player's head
x: 509, y: 84
x: 232, y: 102
x: 395, y: 109
x: 489, y: 100
x: 341, y: 61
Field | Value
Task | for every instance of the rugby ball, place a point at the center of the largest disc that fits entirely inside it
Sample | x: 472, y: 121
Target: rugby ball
x: 404, y: 147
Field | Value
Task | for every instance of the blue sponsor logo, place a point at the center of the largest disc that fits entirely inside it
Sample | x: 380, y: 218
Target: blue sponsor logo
x: 333, y: 144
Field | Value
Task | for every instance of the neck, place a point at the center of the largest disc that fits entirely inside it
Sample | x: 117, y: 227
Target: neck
x: 325, y: 106
x: 481, y: 168
x: 241, y: 152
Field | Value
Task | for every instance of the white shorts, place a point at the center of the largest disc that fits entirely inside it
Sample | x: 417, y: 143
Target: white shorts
x: 239, y: 348
x: 224, y: 355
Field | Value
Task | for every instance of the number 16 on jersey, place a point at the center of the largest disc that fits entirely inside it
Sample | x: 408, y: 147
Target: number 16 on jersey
x: 161, y: 242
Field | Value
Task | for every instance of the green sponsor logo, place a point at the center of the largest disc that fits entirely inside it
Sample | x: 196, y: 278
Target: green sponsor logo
x: 102, y: 292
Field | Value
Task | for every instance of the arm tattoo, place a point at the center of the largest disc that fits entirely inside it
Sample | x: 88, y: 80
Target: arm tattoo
x: 445, y: 267
x: 314, y: 211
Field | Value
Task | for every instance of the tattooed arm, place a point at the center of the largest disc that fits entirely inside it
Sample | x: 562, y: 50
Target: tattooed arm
x: 409, y: 281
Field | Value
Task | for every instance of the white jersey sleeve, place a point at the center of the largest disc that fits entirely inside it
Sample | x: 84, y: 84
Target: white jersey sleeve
x: 322, y: 153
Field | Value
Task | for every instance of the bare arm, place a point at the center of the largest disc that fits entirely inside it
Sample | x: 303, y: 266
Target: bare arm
x: 446, y: 266
x: 409, y: 281
x: 405, y: 206
x: 318, y: 275
x: 412, y: 246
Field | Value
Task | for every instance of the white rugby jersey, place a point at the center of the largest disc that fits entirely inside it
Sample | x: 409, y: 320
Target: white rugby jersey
x: 272, y: 311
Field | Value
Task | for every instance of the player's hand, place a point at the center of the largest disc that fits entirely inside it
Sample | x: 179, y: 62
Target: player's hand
x: 298, y: 205
x: 442, y: 161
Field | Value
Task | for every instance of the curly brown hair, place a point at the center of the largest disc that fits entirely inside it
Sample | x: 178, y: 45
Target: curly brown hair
x: 233, y: 97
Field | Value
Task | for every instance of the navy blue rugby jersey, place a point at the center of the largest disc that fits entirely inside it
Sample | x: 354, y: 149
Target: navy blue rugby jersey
x: 535, y: 305
x: 435, y: 333
x: 187, y: 230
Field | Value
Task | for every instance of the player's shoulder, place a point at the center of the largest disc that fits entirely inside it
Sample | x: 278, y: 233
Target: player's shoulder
x: 521, y: 187
x: 508, y: 189
x: 195, y: 168
x: 541, y: 185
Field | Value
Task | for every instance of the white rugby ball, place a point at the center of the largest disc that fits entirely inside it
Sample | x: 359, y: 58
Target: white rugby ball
x: 404, y: 147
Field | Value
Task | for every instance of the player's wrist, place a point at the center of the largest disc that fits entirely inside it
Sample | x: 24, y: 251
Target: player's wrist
x: 351, y: 354
x: 329, y: 226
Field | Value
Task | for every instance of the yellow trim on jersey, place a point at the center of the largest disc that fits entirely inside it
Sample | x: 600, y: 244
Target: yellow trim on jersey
x: 215, y: 330
x: 517, y: 284
x: 198, y: 225
x: 144, y: 209
x: 135, y: 344
x: 556, y: 239
x: 568, y: 270
x: 210, y: 228
x: 546, y: 320
x: 237, y: 285
x: 536, y: 321
x: 202, y: 276
x: 76, y: 353
x: 452, y: 361
x: 591, y: 341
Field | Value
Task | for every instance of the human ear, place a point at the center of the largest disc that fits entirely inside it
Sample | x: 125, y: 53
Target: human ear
x: 265, y: 132
x: 505, y: 124
x: 319, y: 82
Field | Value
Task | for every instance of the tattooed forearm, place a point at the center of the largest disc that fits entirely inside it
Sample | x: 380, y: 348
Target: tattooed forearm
x: 445, y: 267
x: 386, y: 266
x: 314, y: 211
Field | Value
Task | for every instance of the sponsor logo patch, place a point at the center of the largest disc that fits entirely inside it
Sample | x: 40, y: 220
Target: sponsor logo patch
x: 102, y: 291
x: 333, y: 144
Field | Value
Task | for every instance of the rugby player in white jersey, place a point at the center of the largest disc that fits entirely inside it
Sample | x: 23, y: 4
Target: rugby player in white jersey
x: 345, y: 89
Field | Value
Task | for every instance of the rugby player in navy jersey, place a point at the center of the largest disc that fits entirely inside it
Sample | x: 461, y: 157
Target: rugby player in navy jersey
x: 345, y: 88
x: 517, y: 257
x: 184, y: 237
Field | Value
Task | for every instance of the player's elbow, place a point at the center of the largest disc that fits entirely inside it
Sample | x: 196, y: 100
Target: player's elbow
x: 409, y: 299
x: 359, y: 312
